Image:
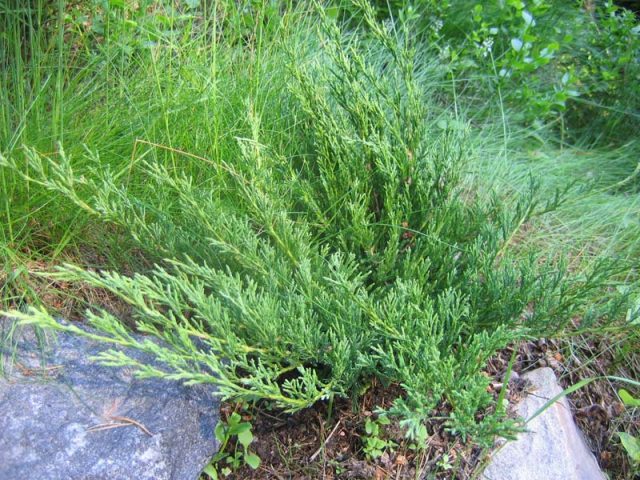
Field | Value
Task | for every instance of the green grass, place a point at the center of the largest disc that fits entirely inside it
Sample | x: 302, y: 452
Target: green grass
x: 600, y: 211
x: 154, y: 118
x: 194, y: 96
x: 197, y: 100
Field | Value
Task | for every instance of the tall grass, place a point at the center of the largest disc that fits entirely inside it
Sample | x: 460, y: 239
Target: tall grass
x: 600, y: 214
x: 191, y: 92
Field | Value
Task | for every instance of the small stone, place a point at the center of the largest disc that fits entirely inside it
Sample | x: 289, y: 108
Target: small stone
x: 72, y: 419
x: 553, y: 447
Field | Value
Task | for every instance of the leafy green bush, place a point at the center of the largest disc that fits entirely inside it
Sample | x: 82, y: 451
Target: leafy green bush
x: 606, y: 59
x: 549, y: 59
x: 294, y: 279
x: 226, y: 462
x: 511, y: 42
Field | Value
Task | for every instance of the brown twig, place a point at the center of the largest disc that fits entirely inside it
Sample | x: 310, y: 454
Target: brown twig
x: 324, y: 444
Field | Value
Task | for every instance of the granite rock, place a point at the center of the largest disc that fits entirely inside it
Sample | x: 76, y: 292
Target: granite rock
x: 66, y: 417
x: 552, y: 448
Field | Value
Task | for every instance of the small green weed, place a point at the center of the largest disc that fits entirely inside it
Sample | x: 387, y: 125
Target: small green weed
x: 630, y: 442
x: 632, y: 445
x: 226, y: 462
x: 374, y: 443
x: 444, y: 463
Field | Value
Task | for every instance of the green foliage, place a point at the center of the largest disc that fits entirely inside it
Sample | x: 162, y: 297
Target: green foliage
x: 628, y: 399
x: 630, y: 443
x: 510, y: 42
x: 577, y: 61
x: 606, y: 59
x: 516, y: 40
x: 64, y: 83
x: 225, y: 462
x: 532, y: 46
x: 374, y: 444
x: 296, y: 278
x: 444, y: 463
x: 137, y: 27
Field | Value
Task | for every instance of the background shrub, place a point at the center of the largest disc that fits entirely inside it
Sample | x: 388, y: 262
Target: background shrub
x: 577, y: 62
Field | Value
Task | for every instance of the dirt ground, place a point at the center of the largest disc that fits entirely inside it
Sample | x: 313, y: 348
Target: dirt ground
x: 318, y: 444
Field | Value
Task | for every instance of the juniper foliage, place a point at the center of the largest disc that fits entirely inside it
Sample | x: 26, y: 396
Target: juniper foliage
x: 298, y: 279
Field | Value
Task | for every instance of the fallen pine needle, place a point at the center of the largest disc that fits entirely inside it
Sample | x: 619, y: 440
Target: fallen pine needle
x: 324, y: 444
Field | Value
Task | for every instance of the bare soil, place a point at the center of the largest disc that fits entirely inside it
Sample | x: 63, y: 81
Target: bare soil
x: 319, y: 444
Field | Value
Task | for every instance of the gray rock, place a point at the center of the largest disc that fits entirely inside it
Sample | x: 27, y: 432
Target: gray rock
x: 552, y: 448
x: 57, y: 416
